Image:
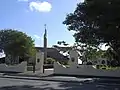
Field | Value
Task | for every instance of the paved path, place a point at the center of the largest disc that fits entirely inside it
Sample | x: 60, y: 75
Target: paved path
x: 19, y: 84
x: 30, y: 73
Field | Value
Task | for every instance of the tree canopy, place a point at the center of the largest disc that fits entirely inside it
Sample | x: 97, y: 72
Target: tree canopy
x: 16, y: 43
x: 96, y: 22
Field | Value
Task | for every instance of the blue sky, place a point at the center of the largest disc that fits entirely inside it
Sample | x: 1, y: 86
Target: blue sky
x: 30, y: 16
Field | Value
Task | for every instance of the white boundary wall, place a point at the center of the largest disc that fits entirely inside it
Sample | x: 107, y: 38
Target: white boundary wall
x: 39, y: 65
x: 87, y: 70
x: 22, y: 67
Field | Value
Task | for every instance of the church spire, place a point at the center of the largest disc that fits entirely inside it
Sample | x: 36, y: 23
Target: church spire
x: 45, y: 34
x: 45, y: 38
x: 45, y: 44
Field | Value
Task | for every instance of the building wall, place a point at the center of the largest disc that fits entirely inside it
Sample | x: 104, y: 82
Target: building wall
x: 86, y: 70
x: 22, y: 67
x: 73, y: 58
x: 39, y: 61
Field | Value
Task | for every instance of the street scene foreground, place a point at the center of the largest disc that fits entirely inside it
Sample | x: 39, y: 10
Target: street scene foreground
x: 90, y: 84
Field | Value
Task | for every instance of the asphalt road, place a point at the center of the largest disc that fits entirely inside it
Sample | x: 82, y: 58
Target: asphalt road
x: 18, y: 84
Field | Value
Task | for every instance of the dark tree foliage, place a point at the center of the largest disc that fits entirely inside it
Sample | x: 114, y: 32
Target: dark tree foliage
x: 96, y: 22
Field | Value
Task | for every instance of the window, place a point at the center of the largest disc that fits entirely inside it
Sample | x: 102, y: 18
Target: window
x: 68, y: 52
x: 38, y: 60
x: 103, y: 61
x: 72, y: 59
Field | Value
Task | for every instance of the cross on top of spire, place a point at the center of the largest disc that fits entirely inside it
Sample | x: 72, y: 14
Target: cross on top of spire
x: 45, y: 26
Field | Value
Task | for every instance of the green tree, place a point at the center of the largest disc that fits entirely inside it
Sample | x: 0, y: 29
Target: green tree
x: 50, y: 61
x: 16, y: 43
x: 90, y: 53
x: 97, y: 22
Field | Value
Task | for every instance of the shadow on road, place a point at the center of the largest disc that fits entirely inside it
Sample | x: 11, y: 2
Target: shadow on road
x: 89, y: 86
x: 65, y: 86
x: 25, y: 87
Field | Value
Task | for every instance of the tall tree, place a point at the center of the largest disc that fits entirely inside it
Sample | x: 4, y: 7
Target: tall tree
x: 16, y: 43
x: 96, y: 22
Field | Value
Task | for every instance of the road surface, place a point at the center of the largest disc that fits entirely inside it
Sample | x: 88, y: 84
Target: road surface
x: 19, y: 84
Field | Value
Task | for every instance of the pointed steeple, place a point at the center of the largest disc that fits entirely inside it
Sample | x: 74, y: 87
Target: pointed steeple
x: 45, y: 37
x: 45, y: 44
x: 45, y: 34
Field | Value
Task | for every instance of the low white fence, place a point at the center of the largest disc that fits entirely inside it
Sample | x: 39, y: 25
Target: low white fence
x: 22, y: 67
x: 84, y: 70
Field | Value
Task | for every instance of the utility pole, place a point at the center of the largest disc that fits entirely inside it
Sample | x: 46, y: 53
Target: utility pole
x: 45, y: 46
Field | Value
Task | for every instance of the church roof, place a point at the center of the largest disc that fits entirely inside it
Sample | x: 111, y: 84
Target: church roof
x: 53, y: 53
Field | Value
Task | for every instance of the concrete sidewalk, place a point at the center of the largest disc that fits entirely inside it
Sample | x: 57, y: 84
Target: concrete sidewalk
x: 50, y: 78
x: 46, y: 76
x: 48, y: 72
